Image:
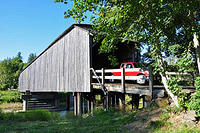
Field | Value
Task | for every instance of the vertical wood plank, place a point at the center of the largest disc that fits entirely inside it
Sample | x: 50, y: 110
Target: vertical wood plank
x: 75, y: 103
x: 123, y: 79
x: 150, y: 81
x: 79, y: 103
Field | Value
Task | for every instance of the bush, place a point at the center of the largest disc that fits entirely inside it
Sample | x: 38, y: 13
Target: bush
x: 10, y: 96
x: 34, y: 115
x: 194, y: 103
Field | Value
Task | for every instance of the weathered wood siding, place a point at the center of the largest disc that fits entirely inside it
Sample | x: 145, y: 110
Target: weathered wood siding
x: 64, y: 67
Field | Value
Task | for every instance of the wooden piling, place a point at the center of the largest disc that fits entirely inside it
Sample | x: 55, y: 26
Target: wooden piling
x: 135, y: 101
x: 25, y: 105
x: 122, y: 101
x: 79, y: 103
x: 108, y: 101
x: 123, y: 79
x: 67, y: 101
x: 75, y: 103
x: 113, y: 99
x: 150, y: 81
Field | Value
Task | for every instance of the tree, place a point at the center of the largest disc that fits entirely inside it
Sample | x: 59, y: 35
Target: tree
x: 169, y: 27
x: 9, y: 72
x: 31, y: 57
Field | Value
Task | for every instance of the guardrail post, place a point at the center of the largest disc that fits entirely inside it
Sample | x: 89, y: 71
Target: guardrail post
x: 150, y: 81
x: 103, y: 84
x: 123, y: 79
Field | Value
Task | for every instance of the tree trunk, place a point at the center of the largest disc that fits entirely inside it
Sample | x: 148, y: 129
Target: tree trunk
x: 174, y: 98
x: 197, y: 50
x: 164, y: 80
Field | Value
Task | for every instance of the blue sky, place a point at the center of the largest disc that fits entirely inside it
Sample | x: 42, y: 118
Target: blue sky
x: 29, y: 26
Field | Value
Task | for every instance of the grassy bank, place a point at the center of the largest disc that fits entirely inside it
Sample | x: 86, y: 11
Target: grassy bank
x: 101, y: 122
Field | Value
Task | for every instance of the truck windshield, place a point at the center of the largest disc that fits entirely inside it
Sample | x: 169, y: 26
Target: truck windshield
x: 129, y: 66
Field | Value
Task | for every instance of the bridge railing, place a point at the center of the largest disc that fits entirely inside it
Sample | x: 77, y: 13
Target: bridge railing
x: 102, y: 75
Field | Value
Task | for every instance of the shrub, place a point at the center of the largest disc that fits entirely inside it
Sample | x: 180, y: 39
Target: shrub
x: 10, y: 96
x: 194, y: 103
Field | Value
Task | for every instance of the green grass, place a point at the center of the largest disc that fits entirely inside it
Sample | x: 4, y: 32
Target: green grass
x: 35, y: 115
x: 112, y: 121
x: 101, y: 122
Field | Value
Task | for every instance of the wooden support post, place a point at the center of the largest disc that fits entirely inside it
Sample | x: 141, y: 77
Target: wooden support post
x: 75, y: 103
x: 67, y: 101
x: 25, y: 105
x: 123, y: 79
x: 108, y: 100
x: 89, y: 105
x: 150, y: 81
x: 83, y: 105
x: 105, y: 101
x: 56, y: 100
x: 144, y: 102
x: 135, y: 101
x: 122, y: 101
x: 27, y: 95
x: 117, y: 98
x: 92, y: 104
x: 113, y: 99
x: 79, y: 103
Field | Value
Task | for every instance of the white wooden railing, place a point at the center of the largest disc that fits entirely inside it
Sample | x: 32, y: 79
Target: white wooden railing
x: 101, y: 76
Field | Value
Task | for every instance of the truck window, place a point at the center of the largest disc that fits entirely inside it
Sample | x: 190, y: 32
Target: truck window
x: 122, y: 65
x: 129, y: 66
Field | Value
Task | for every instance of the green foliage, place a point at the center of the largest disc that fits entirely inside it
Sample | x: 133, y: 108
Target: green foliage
x: 194, y: 103
x: 10, y: 96
x: 35, y: 115
x: 113, y: 61
x: 173, y: 85
x: 31, y: 57
x: 9, y: 72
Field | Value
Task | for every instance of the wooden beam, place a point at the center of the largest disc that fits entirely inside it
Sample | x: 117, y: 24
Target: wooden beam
x: 25, y: 105
x: 150, y: 81
x: 75, y: 103
x: 123, y: 79
x: 67, y: 101
x: 113, y: 99
x: 122, y: 101
x: 79, y: 103
x: 108, y: 101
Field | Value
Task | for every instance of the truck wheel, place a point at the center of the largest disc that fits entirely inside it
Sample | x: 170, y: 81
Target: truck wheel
x: 141, y: 79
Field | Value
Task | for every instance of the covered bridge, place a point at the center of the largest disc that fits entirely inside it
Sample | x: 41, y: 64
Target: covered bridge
x: 64, y: 66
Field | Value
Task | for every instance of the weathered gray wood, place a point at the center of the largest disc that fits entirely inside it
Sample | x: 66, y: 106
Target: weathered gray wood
x: 150, y: 81
x: 123, y: 79
x: 75, y: 103
x: 79, y: 103
x: 63, y: 67
x: 129, y: 88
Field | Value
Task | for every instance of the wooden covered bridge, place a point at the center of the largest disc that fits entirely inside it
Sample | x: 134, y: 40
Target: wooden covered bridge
x: 72, y: 63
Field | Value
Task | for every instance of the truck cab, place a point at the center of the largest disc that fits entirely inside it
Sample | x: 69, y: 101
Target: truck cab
x: 133, y: 70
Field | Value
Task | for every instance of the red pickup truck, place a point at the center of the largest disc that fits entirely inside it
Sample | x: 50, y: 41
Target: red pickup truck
x: 132, y: 72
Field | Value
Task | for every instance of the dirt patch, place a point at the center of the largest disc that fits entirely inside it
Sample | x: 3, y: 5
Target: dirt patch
x: 142, y: 120
x: 10, y: 107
